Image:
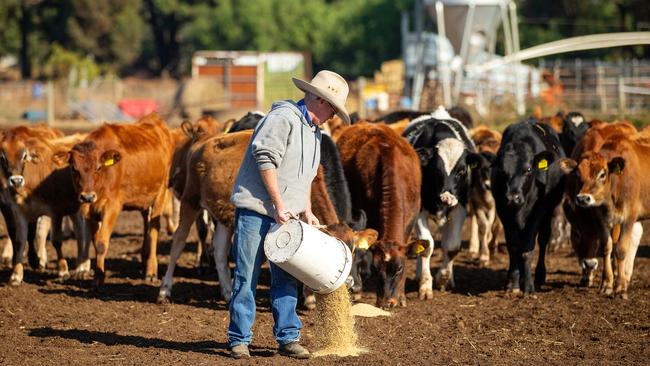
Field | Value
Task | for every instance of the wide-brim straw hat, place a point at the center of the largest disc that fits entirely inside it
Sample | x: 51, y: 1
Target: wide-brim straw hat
x: 329, y: 86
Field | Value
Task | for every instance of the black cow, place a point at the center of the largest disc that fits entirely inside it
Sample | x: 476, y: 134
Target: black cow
x: 446, y: 154
x: 248, y: 122
x: 527, y: 184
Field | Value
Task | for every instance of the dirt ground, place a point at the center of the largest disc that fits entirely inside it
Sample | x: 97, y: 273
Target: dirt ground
x: 47, y: 321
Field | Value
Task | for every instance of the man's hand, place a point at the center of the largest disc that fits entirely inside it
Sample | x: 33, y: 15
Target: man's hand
x: 311, y: 219
x: 283, y: 214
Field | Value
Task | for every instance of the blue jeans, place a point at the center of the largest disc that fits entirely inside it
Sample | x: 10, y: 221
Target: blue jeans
x: 248, y: 253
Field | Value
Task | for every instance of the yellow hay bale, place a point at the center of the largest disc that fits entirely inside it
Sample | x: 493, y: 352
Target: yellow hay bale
x: 335, y: 326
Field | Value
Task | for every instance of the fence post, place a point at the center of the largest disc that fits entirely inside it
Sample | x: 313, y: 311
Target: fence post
x: 621, y: 97
x: 578, y: 91
x: 600, y: 88
x: 50, y: 102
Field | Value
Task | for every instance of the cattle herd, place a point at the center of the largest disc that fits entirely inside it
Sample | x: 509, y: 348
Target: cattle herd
x: 380, y: 185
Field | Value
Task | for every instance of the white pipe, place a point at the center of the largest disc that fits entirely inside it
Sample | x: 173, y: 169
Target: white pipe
x: 580, y: 43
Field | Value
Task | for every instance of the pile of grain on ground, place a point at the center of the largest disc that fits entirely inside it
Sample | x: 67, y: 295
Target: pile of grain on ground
x: 334, y: 326
x: 368, y: 311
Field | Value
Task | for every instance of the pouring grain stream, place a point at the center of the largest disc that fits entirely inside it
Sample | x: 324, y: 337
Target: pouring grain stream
x: 334, y: 327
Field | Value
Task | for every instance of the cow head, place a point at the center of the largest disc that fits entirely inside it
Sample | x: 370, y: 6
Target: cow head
x: 481, y: 171
x: 93, y: 169
x: 522, y: 170
x: 590, y: 180
x: 448, y: 166
x: 389, y: 261
x: 17, y: 159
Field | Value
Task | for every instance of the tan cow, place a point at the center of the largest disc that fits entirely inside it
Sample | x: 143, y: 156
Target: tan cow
x: 485, y: 225
x: 123, y: 166
x: 39, y: 187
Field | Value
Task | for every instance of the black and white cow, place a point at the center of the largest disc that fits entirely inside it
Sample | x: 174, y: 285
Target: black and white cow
x: 446, y: 154
x: 527, y: 184
x: 573, y: 128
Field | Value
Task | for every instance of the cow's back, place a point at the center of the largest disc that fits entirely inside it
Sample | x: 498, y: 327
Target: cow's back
x: 146, y: 150
x: 213, y: 167
x: 383, y: 172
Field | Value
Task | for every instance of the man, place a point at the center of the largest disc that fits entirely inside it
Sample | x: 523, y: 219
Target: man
x: 273, y: 185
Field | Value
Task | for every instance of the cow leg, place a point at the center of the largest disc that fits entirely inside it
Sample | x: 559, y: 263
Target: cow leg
x: 607, y: 284
x: 637, y: 233
x: 102, y: 243
x: 622, y: 251
x: 10, y: 224
x: 474, y: 241
x: 168, y: 213
x: 450, y: 247
x: 423, y: 271
x: 187, y: 215
x: 485, y: 235
x: 221, y: 248
x: 57, y: 242
x: 43, y: 227
x: 7, y: 251
x: 19, y: 250
x: 512, y: 241
x: 82, y: 269
x: 204, y: 249
x: 32, y: 250
x: 150, y: 244
x: 542, y: 239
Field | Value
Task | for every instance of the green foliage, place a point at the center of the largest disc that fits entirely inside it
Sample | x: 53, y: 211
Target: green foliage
x: 352, y: 37
x: 64, y: 64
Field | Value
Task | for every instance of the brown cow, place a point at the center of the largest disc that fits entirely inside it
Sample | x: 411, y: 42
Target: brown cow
x: 184, y: 137
x: 485, y: 224
x: 383, y: 172
x: 605, y: 198
x: 39, y: 188
x: 123, y: 166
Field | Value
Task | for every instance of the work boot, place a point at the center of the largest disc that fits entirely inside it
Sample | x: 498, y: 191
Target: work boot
x: 294, y: 350
x: 240, y: 351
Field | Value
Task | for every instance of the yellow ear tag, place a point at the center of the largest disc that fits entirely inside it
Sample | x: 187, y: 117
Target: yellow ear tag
x: 363, y: 244
x: 109, y: 162
x: 542, y: 164
x: 473, y: 165
x: 419, y: 249
x: 617, y: 169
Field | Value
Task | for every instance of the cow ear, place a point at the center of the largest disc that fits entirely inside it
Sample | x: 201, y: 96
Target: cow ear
x: 188, y: 129
x: 567, y: 165
x: 110, y: 158
x: 365, y: 239
x: 543, y: 161
x: 418, y: 247
x: 425, y: 154
x: 228, y: 125
x: 473, y: 161
x: 616, y: 165
x: 61, y: 158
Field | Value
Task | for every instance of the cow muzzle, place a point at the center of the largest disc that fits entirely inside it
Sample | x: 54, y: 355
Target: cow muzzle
x: 17, y: 181
x: 589, y: 263
x: 515, y: 199
x: 448, y: 199
x: 585, y: 200
x: 87, y: 197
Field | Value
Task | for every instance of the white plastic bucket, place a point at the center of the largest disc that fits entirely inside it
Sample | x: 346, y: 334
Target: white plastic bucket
x: 318, y: 260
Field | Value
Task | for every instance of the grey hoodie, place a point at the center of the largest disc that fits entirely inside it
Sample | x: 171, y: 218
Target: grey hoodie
x: 283, y: 140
